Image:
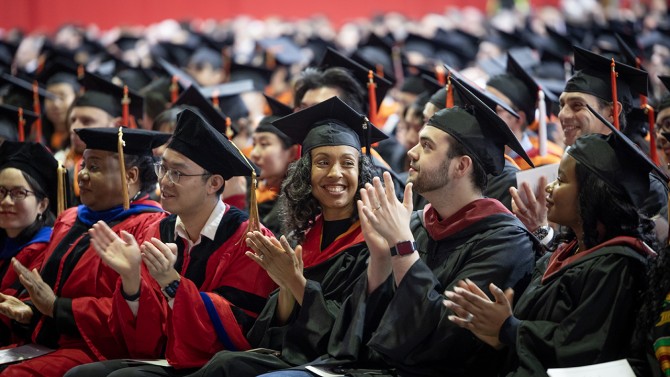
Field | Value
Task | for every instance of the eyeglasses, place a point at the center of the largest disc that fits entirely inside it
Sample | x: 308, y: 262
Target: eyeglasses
x: 663, y: 125
x: 17, y: 194
x: 173, y: 175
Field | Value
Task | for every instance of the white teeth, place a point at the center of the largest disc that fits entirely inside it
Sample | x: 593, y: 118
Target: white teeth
x: 334, y: 189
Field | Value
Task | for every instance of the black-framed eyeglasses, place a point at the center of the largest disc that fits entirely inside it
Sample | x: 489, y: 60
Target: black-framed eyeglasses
x: 17, y: 194
x: 173, y: 175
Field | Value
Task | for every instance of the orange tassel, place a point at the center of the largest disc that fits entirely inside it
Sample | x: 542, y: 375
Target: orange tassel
x: 38, y: 110
x: 372, y: 97
x: 615, y: 101
x: 215, y: 100
x: 653, y: 153
x: 439, y: 75
x: 174, y: 89
x: 450, y: 93
x: 22, y: 125
x: 229, y: 129
x: 125, y: 103
x: 380, y: 70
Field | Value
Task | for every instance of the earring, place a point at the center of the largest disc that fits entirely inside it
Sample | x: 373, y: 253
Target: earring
x: 39, y: 217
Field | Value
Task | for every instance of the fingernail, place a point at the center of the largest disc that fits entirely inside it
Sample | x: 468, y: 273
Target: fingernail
x: 449, y: 294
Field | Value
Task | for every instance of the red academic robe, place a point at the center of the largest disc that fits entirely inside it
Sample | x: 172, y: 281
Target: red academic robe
x: 221, y: 292
x: 84, y: 286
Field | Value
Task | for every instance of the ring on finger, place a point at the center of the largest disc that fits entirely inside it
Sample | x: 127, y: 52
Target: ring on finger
x: 468, y: 318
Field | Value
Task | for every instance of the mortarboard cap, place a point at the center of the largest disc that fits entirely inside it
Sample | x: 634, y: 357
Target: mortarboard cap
x: 205, y: 55
x: 193, y: 99
x: 20, y: 92
x: 665, y: 100
x: 107, y: 96
x: 9, y: 122
x: 228, y: 96
x: 283, y: 50
x: 138, y: 142
x: 481, y: 131
x: 628, y: 49
x: 258, y: 75
x: 592, y: 76
x: 329, y: 123
x: 196, y: 139
x: 335, y: 59
x: 277, y: 111
x: 184, y: 79
x: 59, y: 71
x: 38, y: 162
x: 616, y: 160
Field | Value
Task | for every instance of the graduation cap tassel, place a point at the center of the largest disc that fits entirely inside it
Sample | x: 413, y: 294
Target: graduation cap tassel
x: 254, y: 218
x: 380, y: 70
x: 22, y: 125
x: 215, y: 99
x: 372, y: 96
x: 653, y: 153
x: 450, y: 93
x: 542, y: 126
x: 439, y: 75
x: 122, y: 166
x: 125, y: 103
x: 61, y: 172
x: 368, y: 135
x: 615, y: 101
x: 270, y: 61
x: 229, y: 128
x: 81, y: 72
x: 38, y: 110
x: 174, y: 89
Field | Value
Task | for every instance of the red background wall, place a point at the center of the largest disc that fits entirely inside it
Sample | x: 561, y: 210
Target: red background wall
x: 47, y: 15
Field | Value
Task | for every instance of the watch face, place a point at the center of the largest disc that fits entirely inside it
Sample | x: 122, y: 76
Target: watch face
x: 405, y: 248
x: 540, y: 233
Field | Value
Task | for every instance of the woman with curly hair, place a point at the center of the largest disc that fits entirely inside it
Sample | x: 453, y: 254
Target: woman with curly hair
x: 318, y: 212
x: 581, y: 305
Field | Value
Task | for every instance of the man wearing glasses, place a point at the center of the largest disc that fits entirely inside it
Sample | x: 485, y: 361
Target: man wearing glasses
x: 199, y: 293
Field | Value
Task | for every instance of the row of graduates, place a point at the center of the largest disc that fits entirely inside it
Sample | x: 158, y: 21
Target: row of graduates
x: 476, y: 246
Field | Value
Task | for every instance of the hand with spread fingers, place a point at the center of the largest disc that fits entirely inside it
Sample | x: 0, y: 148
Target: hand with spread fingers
x: 374, y: 240
x: 474, y: 311
x: 122, y: 254
x: 41, y: 294
x: 531, y: 211
x: 160, y: 258
x: 15, y: 309
x: 389, y: 217
x: 282, y: 263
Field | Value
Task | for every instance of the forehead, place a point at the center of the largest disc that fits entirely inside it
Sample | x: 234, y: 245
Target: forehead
x: 577, y: 96
x: 318, y: 95
x: 435, y: 134
x: 335, y: 151
x: 171, y: 157
x: 90, y: 112
x: 266, y: 136
x: 98, y: 154
x: 11, y: 177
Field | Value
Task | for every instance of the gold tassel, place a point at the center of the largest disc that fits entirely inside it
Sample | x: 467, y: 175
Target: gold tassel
x: 254, y: 218
x: 122, y: 167
x: 61, y: 192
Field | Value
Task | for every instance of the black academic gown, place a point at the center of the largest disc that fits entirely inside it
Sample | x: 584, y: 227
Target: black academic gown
x: 305, y: 335
x: 268, y: 212
x: 406, y: 327
x: 656, y: 203
x: 583, y: 314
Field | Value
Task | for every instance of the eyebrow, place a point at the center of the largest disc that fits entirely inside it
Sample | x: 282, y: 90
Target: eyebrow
x: 426, y: 138
x: 174, y: 165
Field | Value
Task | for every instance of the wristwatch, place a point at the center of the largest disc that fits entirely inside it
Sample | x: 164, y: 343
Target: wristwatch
x: 170, y: 290
x: 544, y: 233
x: 403, y: 248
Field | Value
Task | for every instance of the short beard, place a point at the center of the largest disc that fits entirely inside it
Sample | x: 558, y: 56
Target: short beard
x: 430, y: 181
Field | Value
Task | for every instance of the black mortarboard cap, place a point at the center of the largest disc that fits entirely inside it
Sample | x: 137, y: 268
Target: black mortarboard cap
x: 616, y: 160
x: 135, y: 78
x: 335, y: 59
x: 20, y: 92
x: 196, y: 139
x: 664, y: 103
x: 592, y: 76
x: 138, y: 142
x: 59, y: 71
x: 628, y: 49
x: 277, y: 111
x: 107, y: 96
x: 37, y: 161
x: 329, y: 123
x: 479, y: 129
x: 228, y: 94
x: 260, y: 76
x: 206, y: 55
x: 194, y: 99
x: 436, y: 51
x: 127, y: 42
x: 555, y: 47
x: 284, y: 50
x: 9, y: 122
x: 376, y: 51
x: 459, y: 42
x: 177, y: 54
x: 184, y: 79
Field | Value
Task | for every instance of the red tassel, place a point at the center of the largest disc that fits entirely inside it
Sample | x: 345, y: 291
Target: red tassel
x: 439, y: 75
x: 615, y: 101
x: 380, y: 70
x: 229, y: 129
x: 450, y: 93
x: 38, y: 110
x: 22, y: 125
x: 372, y: 97
x: 174, y: 89
x: 215, y: 100
x: 125, y: 103
x: 653, y: 153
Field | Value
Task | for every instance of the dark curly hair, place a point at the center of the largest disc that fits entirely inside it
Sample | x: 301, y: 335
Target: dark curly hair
x: 298, y: 208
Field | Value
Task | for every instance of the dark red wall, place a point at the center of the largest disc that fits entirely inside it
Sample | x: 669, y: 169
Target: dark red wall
x: 47, y: 15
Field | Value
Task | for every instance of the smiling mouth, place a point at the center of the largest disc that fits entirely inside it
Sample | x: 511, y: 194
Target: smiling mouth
x: 336, y: 189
